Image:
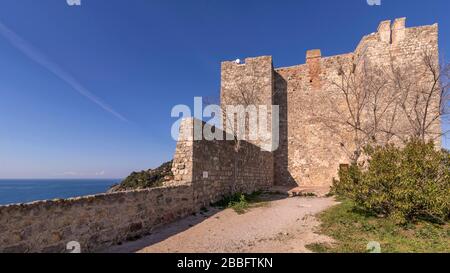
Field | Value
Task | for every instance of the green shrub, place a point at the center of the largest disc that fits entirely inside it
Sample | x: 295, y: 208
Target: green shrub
x: 240, y: 202
x: 240, y: 206
x: 402, y: 183
x: 349, y: 180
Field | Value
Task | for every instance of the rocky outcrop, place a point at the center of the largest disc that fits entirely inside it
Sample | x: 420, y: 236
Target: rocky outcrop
x: 145, y: 179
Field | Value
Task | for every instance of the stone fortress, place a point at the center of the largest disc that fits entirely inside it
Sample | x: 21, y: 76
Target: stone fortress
x: 309, y: 153
x: 206, y: 171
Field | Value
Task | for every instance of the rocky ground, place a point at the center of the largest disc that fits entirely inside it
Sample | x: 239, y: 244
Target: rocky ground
x: 280, y: 224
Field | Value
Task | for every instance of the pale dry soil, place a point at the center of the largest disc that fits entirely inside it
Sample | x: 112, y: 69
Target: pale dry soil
x: 284, y: 225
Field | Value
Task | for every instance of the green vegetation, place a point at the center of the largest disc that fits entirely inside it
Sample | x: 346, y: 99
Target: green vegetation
x: 306, y: 194
x: 353, y: 229
x: 405, y: 184
x: 146, y: 179
x: 401, y: 200
x: 241, y: 202
x: 240, y: 206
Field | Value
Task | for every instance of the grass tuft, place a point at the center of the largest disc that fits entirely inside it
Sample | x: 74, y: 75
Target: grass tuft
x: 353, y: 230
x: 241, y: 203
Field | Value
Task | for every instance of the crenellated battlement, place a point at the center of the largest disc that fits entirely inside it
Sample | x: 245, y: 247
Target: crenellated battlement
x: 309, y: 154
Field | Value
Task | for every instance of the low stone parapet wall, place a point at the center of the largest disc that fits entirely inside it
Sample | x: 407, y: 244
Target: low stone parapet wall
x: 95, y: 222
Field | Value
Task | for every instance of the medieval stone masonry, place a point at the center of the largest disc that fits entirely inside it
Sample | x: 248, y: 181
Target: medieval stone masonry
x: 309, y: 151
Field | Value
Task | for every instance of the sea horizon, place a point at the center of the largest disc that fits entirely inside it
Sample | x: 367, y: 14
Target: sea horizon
x: 26, y: 190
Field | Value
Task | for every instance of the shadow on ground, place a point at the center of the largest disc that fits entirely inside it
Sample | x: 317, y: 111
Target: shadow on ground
x: 164, y: 232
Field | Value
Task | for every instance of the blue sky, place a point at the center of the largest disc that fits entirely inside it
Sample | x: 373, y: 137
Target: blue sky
x: 86, y: 92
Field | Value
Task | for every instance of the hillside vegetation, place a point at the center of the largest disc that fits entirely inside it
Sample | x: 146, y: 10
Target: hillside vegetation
x: 146, y: 179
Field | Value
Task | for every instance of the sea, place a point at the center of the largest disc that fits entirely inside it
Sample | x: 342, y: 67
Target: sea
x: 14, y: 191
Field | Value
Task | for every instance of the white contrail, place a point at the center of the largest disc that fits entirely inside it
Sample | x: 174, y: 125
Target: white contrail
x: 41, y: 59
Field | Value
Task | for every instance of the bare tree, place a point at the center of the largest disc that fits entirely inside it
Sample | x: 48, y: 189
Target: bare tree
x: 360, y: 107
x: 374, y: 104
x: 244, y: 93
x: 423, y: 96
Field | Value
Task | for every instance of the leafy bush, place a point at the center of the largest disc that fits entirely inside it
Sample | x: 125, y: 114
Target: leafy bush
x: 402, y: 183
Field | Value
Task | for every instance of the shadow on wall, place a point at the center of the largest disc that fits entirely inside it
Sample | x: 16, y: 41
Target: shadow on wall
x: 219, y: 169
x: 282, y: 176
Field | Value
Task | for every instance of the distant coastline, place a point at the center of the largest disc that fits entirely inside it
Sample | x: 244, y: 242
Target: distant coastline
x: 13, y: 191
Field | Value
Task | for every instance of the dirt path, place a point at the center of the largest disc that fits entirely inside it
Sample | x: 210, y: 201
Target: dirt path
x: 284, y: 225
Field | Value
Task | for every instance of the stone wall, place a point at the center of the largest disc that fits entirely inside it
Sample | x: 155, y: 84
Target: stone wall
x: 310, y: 149
x: 219, y: 168
x: 406, y: 49
x: 205, y: 172
x: 94, y: 221
x: 311, y: 152
x: 250, y: 84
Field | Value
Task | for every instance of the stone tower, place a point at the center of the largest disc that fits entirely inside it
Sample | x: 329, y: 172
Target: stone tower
x: 309, y: 154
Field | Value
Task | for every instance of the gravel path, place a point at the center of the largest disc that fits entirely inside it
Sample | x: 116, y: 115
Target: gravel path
x: 282, y: 226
